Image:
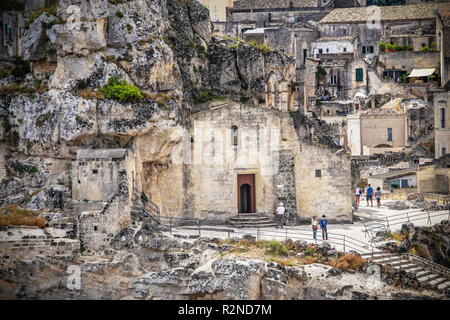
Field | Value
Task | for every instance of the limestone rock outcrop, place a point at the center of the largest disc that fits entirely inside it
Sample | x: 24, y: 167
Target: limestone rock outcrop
x: 157, y: 266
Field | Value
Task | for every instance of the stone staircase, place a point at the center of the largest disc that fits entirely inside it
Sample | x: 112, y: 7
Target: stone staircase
x: 140, y: 211
x: 251, y: 220
x: 428, y: 273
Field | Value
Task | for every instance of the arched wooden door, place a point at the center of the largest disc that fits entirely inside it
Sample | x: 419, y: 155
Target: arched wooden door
x: 246, y: 193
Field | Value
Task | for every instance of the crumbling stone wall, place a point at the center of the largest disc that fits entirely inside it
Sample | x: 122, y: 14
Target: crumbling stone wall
x: 285, y: 186
x: 97, y: 229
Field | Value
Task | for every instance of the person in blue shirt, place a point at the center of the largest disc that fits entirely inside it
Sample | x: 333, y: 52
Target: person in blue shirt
x: 323, y: 226
x: 369, y: 196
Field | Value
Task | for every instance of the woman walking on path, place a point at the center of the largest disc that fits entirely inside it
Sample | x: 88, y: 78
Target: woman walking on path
x: 315, y: 226
x: 378, y: 197
x: 357, y: 193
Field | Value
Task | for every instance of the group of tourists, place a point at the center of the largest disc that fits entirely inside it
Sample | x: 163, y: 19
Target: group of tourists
x: 369, y: 192
x: 323, y: 223
x: 315, y: 223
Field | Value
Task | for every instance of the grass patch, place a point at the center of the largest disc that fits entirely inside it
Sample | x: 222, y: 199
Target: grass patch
x: 13, y: 215
x: 90, y: 94
x: 205, y: 95
x: 260, y: 46
x: 42, y: 119
x: 348, y: 261
x: 16, y: 89
x: 396, y: 236
x: 120, y: 90
x: 50, y: 9
x: 276, y: 248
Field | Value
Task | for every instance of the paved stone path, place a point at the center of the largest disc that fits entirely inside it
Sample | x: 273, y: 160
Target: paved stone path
x: 356, y: 238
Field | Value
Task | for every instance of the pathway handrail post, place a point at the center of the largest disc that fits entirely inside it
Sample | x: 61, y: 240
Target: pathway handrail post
x: 407, y: 216
x: 387, y: 222
x: 199, y: 228
x: 170, y: 224
x: 429, y: 218
x: 286, y: 235
x: 371, y: 246
x: 344, y: 243
x: 228, y: 234
x: 258, y: 236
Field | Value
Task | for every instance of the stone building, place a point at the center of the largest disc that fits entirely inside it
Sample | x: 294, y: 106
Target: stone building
x: 218, y: 8
x: 246, y: 159
x: 12, y: 27
x: 435, y: 178
x: 352, y: 59
x: 441, y: 124
x: 443, y: 40
x: 102, y: 183
x: 378, y: 130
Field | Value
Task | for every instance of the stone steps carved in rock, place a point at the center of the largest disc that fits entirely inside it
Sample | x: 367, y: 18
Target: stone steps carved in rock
x: 251, y: 220
x: 422, y: 272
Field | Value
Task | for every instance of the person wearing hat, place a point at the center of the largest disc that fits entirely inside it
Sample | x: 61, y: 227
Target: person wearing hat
x: 280, y: 215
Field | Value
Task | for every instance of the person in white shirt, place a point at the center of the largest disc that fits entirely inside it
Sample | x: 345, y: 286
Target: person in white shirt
x: 357, y: 194
x: 280, y: 214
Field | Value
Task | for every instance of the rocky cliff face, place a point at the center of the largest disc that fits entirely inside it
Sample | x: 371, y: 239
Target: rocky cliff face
x: 163, y: 47
x: 431, y: 243
x: 144, y: 264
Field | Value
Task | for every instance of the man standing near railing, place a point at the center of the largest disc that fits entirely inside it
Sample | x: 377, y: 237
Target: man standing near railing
x: 279, y: 216
x: 324, y: 226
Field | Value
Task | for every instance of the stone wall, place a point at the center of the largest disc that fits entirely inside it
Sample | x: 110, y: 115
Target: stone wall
x: 97, y: 229
x: 408, y: 60
x: 442, y: 135
x: 204, y: 183
x: 97, y: 179
x: 329, y: 194
x: 432, y: 179
x: 285, y: 185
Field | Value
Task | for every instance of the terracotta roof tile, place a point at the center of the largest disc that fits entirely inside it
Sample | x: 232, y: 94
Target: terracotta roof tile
x: 387, y: 13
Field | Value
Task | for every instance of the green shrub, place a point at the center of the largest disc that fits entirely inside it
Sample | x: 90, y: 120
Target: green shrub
x: 144, y: 197
x: 51, y: 8
x: 431, y: 48
x: 119, y: 14
x: 21, y: 67
x: 42, y: 119
x: 260, y: 46
x: 277, y: 248
x: 121, y: 90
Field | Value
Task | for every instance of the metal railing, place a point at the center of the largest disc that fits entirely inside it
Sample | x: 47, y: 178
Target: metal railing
x: 385, y: 224
x: 429, y: 264
x: 345, y: 242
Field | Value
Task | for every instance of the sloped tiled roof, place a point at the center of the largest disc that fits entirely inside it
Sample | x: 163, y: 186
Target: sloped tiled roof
x: 271, y: 4
x: 387, y: 13
x: 337, y: 38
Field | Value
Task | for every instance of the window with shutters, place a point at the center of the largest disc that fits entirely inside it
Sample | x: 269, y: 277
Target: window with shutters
x: 359, y: 74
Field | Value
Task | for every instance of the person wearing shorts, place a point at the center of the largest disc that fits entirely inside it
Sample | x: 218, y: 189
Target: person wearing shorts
x: 357, y: 194
x: 378, y: 197
x: 369, y: 196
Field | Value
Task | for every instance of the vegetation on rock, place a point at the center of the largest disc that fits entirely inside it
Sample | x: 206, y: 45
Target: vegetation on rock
x: 121, y: 90
x: 14, y: 215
